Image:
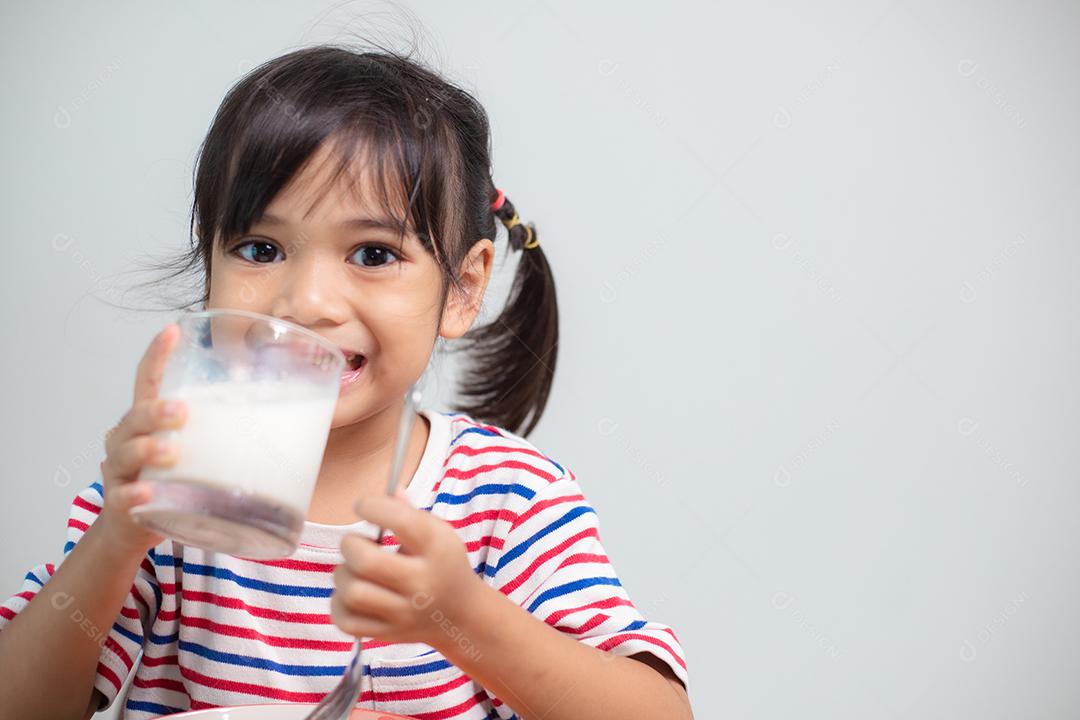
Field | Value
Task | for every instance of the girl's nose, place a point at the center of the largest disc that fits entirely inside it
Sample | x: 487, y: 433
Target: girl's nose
x: 309, y: 294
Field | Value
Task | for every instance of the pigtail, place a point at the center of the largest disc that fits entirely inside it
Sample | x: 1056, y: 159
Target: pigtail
x: 512, y: 366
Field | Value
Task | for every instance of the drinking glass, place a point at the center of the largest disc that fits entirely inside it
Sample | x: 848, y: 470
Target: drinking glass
x: 260, y: 394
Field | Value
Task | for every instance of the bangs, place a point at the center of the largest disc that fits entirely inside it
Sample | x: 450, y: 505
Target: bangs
x: 278, y: 119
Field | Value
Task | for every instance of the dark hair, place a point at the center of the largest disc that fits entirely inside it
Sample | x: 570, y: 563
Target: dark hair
x: 427, y: 144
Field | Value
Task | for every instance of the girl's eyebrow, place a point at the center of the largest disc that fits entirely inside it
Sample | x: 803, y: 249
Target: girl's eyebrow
x: 357, y: 223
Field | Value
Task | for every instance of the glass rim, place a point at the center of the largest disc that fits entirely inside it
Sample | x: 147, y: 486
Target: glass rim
x: 288, y: 324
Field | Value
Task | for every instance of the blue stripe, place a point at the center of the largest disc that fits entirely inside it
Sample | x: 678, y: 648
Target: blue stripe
x: 636, y: 625
x: 560, y: 590
x: 262, y: 663
x: 137, y: 639
x: 415, y: 670
x: 487, y: 489
x: 67, y: 546
x: 478, y: 431
x: 276, y: 588
x: 33, y: 578
x: 151, y: 707
x: 99, y: 487
x: 526, y: 544
x: 555, y: 464
x: 164, y: 639
x: 166, y: 560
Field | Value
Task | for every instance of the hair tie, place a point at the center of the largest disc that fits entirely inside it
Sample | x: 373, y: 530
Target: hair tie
x: 531, y: 241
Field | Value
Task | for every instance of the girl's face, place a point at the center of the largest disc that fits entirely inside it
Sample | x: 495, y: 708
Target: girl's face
x: 341, y: 274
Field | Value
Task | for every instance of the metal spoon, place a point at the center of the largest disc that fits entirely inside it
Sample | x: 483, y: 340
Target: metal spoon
x: 338, y: 704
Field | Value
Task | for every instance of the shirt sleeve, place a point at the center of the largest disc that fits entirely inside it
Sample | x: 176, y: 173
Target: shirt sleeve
x: 554, y: 565
x: 120, y: 644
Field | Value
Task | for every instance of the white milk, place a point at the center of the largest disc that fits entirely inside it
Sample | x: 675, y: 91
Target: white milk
x: 261, y: 438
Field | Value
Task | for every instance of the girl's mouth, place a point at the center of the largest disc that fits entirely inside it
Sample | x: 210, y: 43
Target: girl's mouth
x: 354, y: 368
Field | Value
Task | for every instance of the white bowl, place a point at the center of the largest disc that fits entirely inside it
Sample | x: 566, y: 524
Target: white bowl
x: 275, y: 711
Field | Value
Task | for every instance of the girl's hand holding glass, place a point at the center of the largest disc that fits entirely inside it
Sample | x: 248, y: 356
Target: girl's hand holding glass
x: 129, y: 447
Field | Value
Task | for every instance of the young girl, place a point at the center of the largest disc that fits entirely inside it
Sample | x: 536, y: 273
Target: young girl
x: 351, y: 193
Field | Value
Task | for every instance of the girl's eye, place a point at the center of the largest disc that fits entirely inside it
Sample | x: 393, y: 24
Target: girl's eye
x: 262, y: 252
x: 375, y: 256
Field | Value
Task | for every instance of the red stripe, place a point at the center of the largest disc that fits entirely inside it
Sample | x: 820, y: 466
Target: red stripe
x: 77, y: 524
x: 495, y: 542
x: 289, y: 564
x: 482, y: 515
x: 26, y: 595
x: 474, y: 451
x: 130, y: 613
x: 104, y: 671
x: 271, y: 640
x: 452, y: 711
x: 139, y: 598
x: 86, y: 505
x: 527, y: 572
x: 475, y: 423
x: 619, y: 639
x: 540, y: 506
x: 237, y: 604
x: 249, y: 688
x: 605, y: 603
x: 423, y: 692
x: 372, y: 643
x: 459, y: 474
x: 151, y: 661
x: 6, y: 613
x: 199, y: 705
x: 597, y: 619
x: 167, y: 683
x: 581, y: 558
x: 119, y: 652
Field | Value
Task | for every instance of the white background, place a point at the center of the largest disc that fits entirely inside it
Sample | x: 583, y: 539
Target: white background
x: 816, y: 263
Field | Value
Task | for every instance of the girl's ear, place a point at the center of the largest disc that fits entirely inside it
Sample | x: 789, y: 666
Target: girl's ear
x: 462, y: 306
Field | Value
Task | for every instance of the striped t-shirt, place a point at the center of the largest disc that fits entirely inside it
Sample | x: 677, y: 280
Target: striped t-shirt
x: 219, y: 630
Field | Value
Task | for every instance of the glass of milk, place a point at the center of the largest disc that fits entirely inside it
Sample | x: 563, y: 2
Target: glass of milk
x: 260, y: 395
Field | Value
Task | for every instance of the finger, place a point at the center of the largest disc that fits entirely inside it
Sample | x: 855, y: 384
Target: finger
x: 364, y: 559
x: 366, y: 598
x: 412, y: 527
x: 152, y: 365
x: 145, y: 417
x: 357, y: 625
x: 125, y: 497
x: 137, y: 452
